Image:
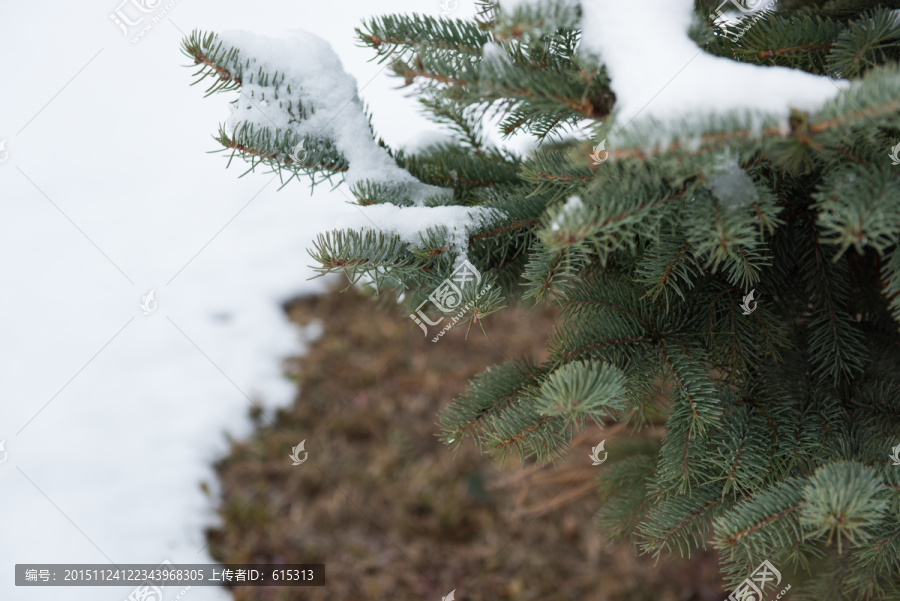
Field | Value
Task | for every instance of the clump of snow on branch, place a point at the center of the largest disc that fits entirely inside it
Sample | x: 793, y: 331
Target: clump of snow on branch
x: 411, y: 223
x: 572, y: 204
x: 494, y: 56
x: 315, y: 74
x: 731, y: 184
x: 659, y: 74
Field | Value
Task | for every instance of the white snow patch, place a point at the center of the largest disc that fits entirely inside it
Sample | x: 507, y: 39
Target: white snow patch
x: 322, y: 83
x: 315, y: 74
x: 410, y: 223
x: 495, y: 56
x: 572, y: 204
x: 731, y: 184
x: 659, y: 73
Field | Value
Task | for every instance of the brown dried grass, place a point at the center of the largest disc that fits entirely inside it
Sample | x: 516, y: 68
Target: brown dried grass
x: 390, y: 511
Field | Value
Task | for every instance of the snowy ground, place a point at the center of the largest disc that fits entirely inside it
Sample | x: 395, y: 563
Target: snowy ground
x: 111, y: 417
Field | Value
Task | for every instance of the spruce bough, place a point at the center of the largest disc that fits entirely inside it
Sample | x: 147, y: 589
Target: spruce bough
x: 779, y: 424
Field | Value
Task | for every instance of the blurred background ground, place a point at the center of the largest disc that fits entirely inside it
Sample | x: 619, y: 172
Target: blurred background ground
x: 390, y: 511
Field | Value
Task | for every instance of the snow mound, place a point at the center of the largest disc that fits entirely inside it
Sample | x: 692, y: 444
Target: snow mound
x: 315, y: 73
x: 659, y: 74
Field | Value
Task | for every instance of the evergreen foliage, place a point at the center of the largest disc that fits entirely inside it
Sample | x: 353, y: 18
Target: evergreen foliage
x: 778, y: 424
